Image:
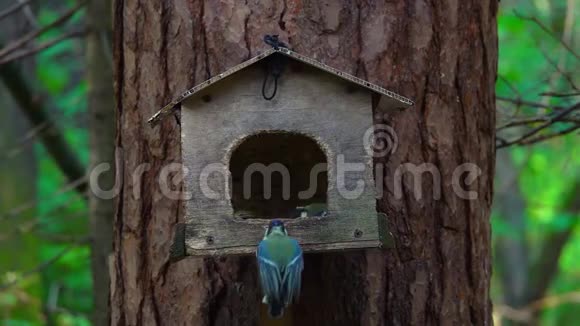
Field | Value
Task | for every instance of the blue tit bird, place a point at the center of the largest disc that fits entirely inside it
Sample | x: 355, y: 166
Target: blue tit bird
x: 280, y: 264
x: 313, y: 209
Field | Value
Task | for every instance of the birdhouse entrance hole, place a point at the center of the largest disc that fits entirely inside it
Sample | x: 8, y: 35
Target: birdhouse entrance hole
x: 275, y: 172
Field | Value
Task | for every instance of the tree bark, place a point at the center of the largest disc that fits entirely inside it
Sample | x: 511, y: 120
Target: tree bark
x: 442, y: 54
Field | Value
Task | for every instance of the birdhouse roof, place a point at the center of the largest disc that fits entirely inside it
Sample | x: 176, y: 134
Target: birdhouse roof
x: 167, y: 109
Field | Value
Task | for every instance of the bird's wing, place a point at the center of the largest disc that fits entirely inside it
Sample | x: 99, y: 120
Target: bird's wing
x: 270, y: 276
x: 293, y: 276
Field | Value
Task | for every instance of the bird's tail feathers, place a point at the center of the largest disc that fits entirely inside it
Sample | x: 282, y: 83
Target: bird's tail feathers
x: 276, y: 310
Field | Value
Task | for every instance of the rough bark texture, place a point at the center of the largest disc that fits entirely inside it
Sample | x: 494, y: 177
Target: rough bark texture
x: 440, y: 53
x: 101, y: 106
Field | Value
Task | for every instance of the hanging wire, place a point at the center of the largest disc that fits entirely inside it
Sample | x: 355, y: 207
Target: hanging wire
x: 266, y: 97
x: 275, y: 65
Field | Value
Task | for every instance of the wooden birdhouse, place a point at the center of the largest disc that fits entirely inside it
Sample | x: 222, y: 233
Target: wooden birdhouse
x: 275, y: 133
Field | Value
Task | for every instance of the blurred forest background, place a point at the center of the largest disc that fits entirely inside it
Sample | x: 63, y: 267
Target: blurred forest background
x: 56, y: 120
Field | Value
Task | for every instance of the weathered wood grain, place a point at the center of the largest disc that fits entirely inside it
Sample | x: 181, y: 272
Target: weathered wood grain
x: 308, y: 102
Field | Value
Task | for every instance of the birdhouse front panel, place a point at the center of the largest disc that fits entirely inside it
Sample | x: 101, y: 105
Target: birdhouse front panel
x: 279, y: 136
x: 248, y: 159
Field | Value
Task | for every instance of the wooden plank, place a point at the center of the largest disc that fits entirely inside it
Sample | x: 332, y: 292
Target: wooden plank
x: 227, y: 232
x: 311, y: 248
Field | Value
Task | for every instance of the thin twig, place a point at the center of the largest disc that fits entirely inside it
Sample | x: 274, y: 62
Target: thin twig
x: 106, y: 46
x: 41, y: 47
x: 11, y: 47
x: 558, y: 117
x: 520, y: 102
x: 522, y: 122
x: 32, y: 133
x: 526, y: 313
x: 36, y: 112
x: 15, y: 7
x: 514, y: 314
x: 515, y: 91
x: 33, y: 203
x: 540, y: 138
x: 555, y: 94
x: 35, y: 223
x: 29, y: 14
x: 42, y: 266
x: 60, y: 238
x: 555, y: 300
x: 548, y: 31
x: 567, y: 75
x: 509, y: 85
x: 540, y: 83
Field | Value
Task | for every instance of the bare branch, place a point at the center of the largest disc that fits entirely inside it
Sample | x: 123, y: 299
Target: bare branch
x: 548, y: 31
x: 515, y: 314
x: 28, y: 52
x: 526, y: 314
x: 526, y: 137
x: 31, y: 134
x: 556, y: 300
x: 14, y: 8
x: 52, y: 138
x: 554, y: 94
x: 550, y: 136
x: 522, y: 122
x: 36, y: 33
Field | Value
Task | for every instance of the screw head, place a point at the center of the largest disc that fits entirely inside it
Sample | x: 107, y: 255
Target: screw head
x: 209, y: 239
x: 358, y: 233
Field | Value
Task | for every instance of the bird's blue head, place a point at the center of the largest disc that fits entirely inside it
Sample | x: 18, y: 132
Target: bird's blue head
x: 276, y: 226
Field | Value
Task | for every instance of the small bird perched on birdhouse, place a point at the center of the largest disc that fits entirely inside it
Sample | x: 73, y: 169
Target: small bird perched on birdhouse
x: 313, y: 209
x: 280, y: 264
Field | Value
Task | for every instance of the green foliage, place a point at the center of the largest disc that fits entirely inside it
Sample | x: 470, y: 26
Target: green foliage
x: 547, y: 173
x: 59, y: 293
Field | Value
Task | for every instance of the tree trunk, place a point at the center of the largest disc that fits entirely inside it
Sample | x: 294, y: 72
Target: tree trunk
x: 18, y: 173
x: 101, y: 106
x: 442, y: 54
x: 511, y: 247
